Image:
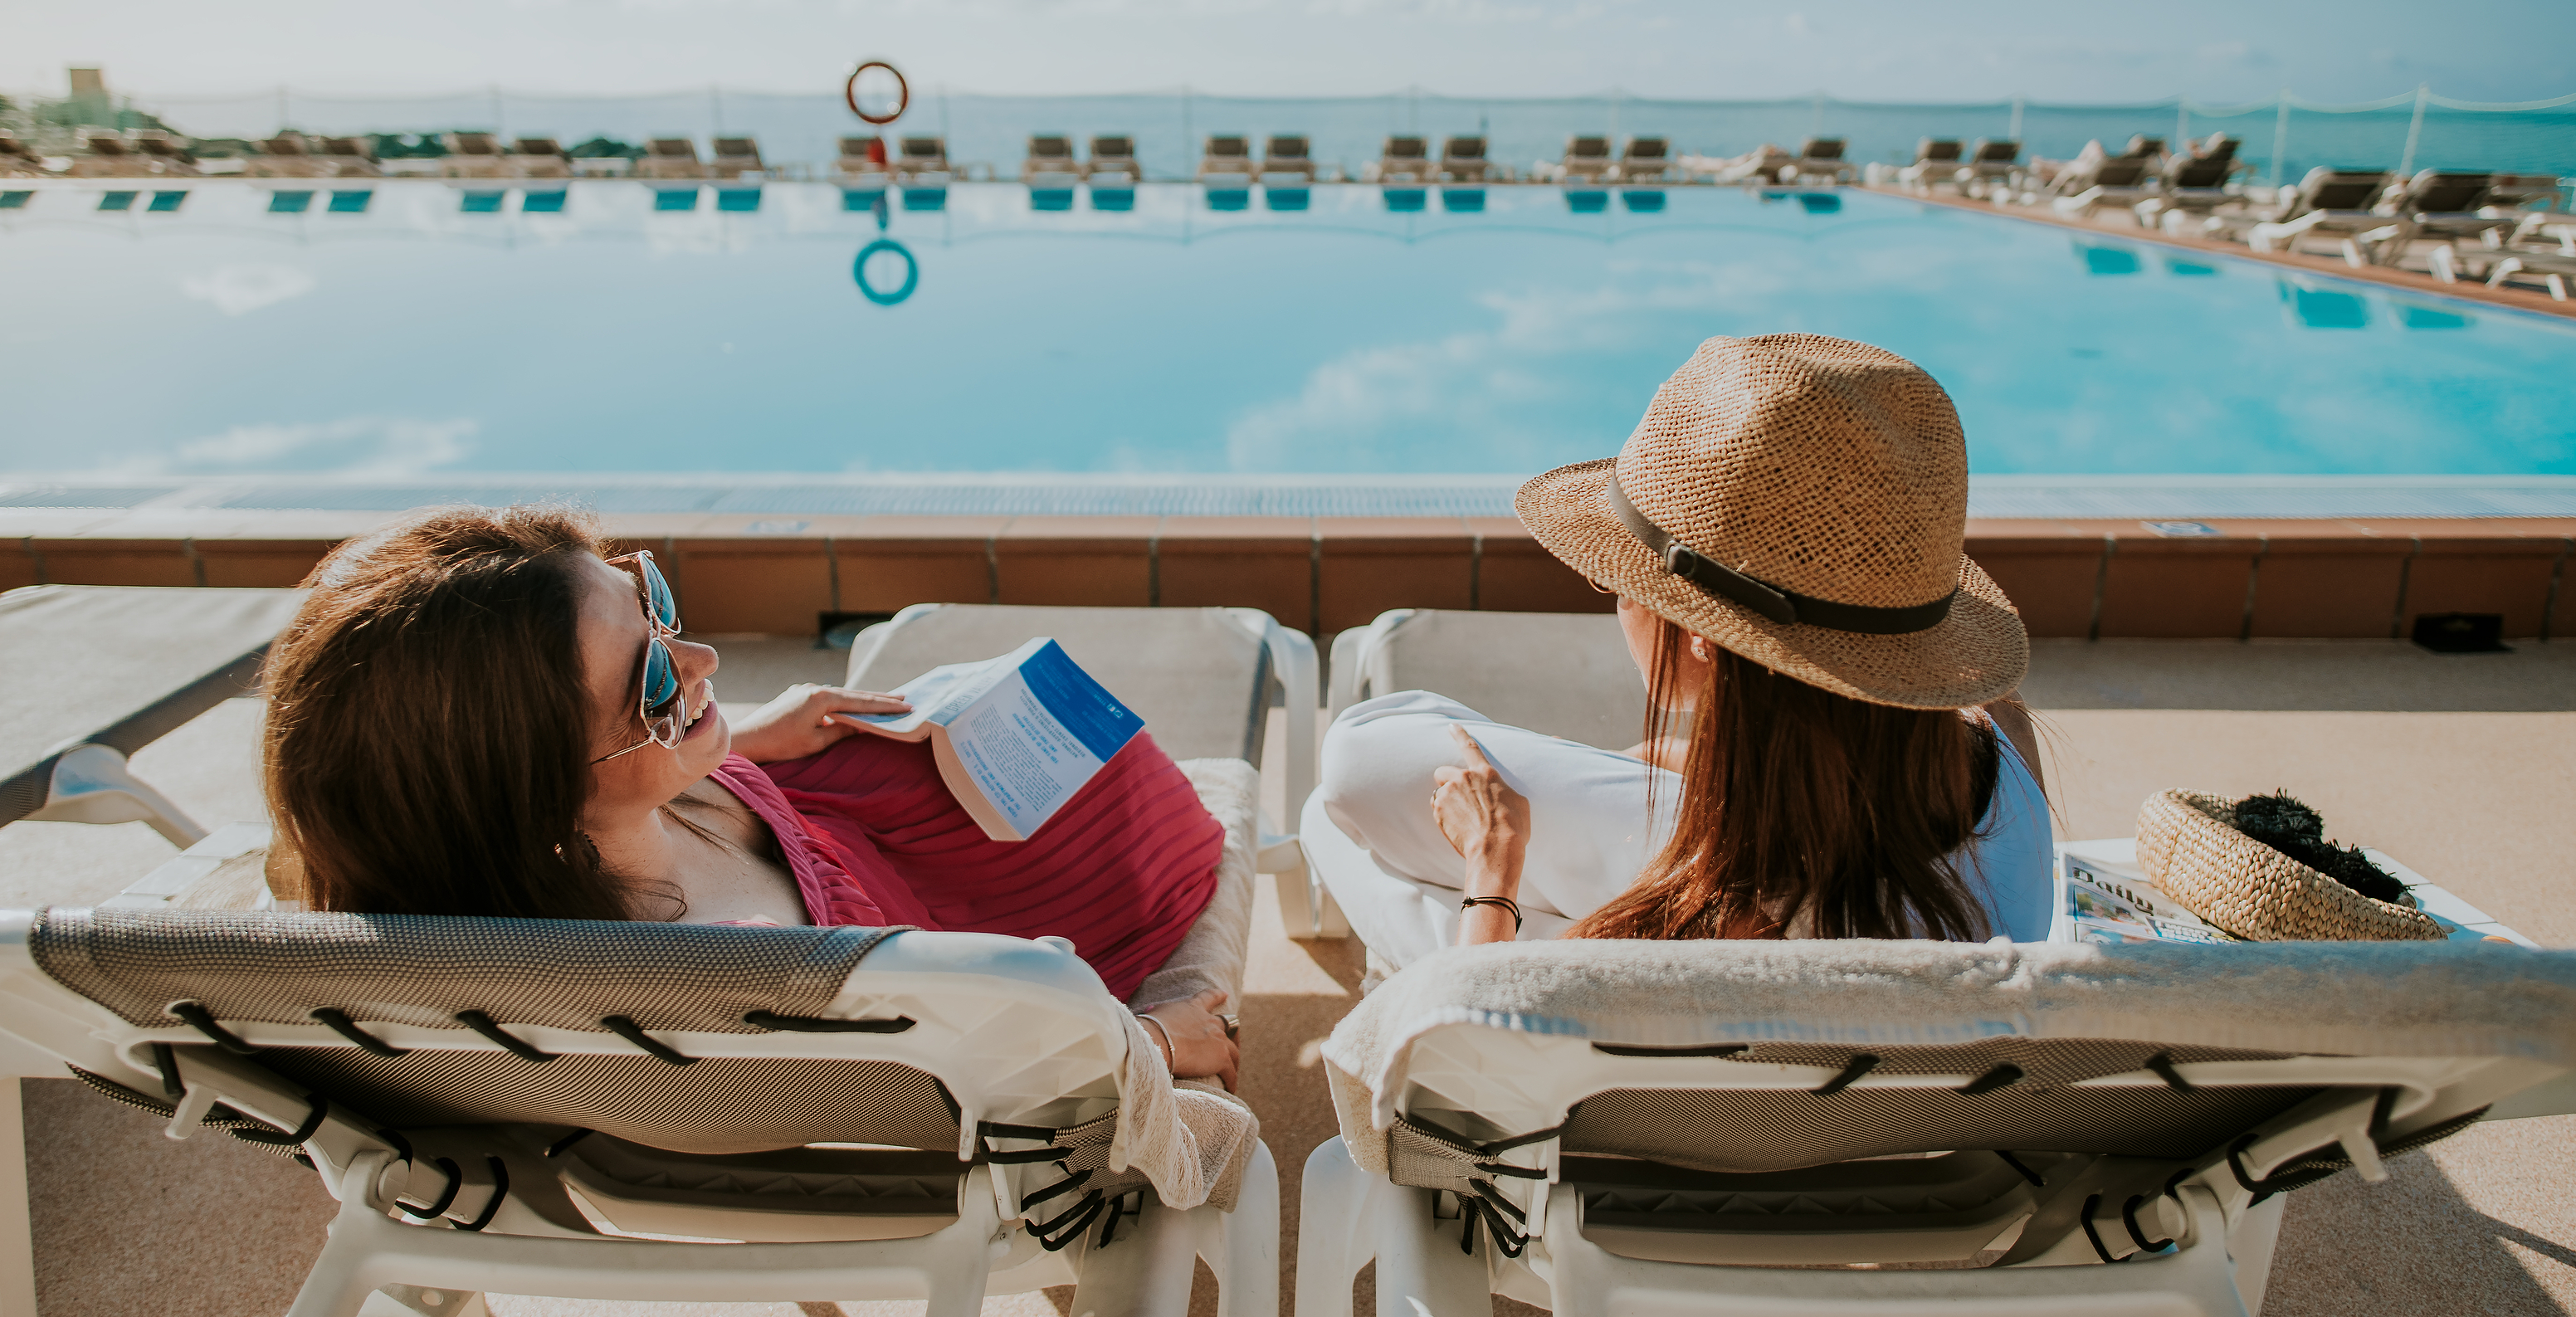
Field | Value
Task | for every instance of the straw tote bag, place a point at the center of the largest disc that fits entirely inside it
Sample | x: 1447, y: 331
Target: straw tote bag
x: 2189, y: 846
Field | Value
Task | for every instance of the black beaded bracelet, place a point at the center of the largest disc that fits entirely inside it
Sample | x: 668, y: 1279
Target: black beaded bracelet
x: 1504, y: 901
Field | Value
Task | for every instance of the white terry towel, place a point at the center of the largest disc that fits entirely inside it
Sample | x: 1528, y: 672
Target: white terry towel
x: 2336, y: 998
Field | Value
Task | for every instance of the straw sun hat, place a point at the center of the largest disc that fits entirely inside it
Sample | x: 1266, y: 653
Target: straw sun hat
x: 1800, y: 500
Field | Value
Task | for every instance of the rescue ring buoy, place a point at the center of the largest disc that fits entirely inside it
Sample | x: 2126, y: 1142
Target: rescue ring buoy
x: 902, y: 89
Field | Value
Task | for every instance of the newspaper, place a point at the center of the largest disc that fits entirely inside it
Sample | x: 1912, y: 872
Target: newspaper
x: 1014, y: 737
x: 2102, y: 906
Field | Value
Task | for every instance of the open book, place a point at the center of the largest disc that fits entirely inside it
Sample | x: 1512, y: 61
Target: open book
x: 1014, y: 736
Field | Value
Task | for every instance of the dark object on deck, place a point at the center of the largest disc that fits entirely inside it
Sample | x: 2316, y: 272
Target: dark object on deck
x: 2281, y: 822
x: 2462, y: 633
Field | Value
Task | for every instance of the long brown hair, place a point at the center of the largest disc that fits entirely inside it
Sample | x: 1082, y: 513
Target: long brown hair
x: 429, y: 735
x: 1797, y: 800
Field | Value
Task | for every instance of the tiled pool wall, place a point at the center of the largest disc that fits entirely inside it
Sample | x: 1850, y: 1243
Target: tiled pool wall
x: 2220, y: 579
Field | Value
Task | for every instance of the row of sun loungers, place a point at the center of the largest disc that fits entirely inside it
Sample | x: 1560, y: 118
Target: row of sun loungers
x: 1051, y: 158
x: 2505, y: 228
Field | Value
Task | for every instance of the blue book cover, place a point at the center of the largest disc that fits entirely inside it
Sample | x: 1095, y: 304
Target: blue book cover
x: 1015, y: 737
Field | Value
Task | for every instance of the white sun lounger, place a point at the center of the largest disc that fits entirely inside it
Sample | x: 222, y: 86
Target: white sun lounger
x: 98, y: 672
x: 2122, y: 181
x: 1936, y: 160
x: 287, y: 155
x: 735, y: 157
x: 1286, y: 158
x: 1587, y: 159
x: 2329, y: 203
x: 922, y: 160
x: 1820, y: 159
x: 107, y: 154
x: 1050, y: 162
x: 1226, y: 160
x: 1113, y: 161
x: 1879, y: 1127
x: 1462, y: 160
x: 592, y: 1110
x: 1991, y: 160
x: 473, y: 155
x: 539, y: 157
x: 671, y: 158
x: 1404, y: 158
x: 1646, y: 160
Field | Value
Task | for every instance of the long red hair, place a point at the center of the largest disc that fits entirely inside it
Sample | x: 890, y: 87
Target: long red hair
x: 1795, y: 800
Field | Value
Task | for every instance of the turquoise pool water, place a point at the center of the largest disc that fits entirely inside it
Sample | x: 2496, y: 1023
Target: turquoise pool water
x: 422, y: 328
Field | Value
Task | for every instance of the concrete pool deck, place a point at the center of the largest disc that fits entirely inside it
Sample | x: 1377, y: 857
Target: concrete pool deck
x: 2459, y: 765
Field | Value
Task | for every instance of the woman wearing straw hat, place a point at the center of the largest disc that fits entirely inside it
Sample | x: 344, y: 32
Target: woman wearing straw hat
x: 1832, y: 748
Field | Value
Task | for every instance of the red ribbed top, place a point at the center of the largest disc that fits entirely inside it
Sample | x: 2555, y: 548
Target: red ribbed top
x: 874, y: 838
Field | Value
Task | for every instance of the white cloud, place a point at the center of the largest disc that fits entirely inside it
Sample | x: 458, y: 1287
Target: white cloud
x: 238, y: 290
x: 355, y: 445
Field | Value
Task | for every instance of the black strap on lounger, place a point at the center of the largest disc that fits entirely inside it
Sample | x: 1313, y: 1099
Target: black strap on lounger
x: 455, y: 1181
x: 1778, y: 603
x: 196, y: 1014
x: 1861, y: 1063
x: 2026, y: 1172
x: 2163, y: 1064
x: 2129, y: 1218
x: 2004, y: 1075
x: 624, y: 1026
x: 317, y: 1109
x: 1716, y: 1049
x: 2093, y: 1236
x: 515, y: 1046
x: 810, y: 1024
x: 339, y: 1022
x: 492, y: 1205
x: 165, y: 1059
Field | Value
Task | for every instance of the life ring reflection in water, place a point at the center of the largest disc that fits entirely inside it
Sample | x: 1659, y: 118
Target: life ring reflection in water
x: 883, y: 296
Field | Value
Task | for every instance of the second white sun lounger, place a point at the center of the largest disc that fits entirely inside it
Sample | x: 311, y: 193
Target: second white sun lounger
x: 98, y: 672
x: 1864, y: 1127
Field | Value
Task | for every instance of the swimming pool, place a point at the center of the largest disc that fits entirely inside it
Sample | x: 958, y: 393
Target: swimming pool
x: 422, y: 328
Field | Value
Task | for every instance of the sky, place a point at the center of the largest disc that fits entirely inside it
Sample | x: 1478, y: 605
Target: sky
x: 2081, y: 51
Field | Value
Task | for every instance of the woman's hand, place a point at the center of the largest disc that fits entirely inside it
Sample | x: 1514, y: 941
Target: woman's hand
x: 1488, y: 823
x: 1201, y: 1048
x: 800, y: 722
x: 1477, y: 810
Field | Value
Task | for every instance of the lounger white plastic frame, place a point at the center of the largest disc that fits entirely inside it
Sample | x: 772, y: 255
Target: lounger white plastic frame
x: 1019, y: 1032
x: 1511, y: 1080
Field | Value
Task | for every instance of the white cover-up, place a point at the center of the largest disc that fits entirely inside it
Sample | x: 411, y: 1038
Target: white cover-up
x: 1397, y: 878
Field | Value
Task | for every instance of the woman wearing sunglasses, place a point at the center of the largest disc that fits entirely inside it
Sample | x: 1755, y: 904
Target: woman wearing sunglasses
x: 478, y: 712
